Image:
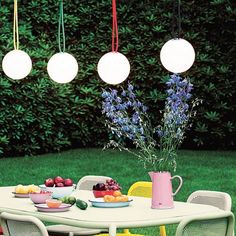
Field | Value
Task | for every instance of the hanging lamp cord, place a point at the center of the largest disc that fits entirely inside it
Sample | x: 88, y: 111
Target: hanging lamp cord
x: 61, y: 28
x: 176, y: 20
x: 15, y: 27
x: 179, y: 19
x: 115, y: 39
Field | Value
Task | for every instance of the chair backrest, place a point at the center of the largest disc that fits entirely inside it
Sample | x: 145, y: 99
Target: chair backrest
x: 21, y: 225
x: 221, y: 224
x: 87, y: 182
x: 218, y: 199
x: 141, y: 189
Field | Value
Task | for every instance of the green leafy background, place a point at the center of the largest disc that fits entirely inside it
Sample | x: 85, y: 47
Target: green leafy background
x: 38, y: 115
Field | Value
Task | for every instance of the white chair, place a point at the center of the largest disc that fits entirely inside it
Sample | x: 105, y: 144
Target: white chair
x: 218, y: 225
x: 214, y: 198
x: 19, y: 225
x: 85, y: 183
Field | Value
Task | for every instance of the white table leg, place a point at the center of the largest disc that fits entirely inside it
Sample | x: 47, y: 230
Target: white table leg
x: 112, y: 230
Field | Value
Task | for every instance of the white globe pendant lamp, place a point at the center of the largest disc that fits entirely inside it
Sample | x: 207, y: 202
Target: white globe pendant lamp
x: 113, y: 67
x: 16, y: 64
x: 62, y: 67
x: 177, y: 55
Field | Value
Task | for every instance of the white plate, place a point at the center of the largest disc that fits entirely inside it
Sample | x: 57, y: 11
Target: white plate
x: 21, y: 195
x: 99, y: 202
x: 44, y: 208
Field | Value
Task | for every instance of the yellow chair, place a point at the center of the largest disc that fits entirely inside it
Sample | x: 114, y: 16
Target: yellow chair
x: 139, y: 189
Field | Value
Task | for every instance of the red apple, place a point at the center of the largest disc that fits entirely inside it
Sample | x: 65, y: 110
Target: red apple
x: 68, y: 182
x: 49, y: 182
x: 58, y: 179
x: 59, y: 185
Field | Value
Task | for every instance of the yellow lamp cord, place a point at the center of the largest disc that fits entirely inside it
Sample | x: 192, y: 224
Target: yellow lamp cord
x: 15, y: 27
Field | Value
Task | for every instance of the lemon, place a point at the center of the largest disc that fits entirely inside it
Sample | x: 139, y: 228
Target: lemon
x: 33, y: 189
x: 18, y: 188
x: 24, y: 189
x: 21, y: 189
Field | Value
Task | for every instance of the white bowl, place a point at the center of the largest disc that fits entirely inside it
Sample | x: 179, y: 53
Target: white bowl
x: 58, y: 192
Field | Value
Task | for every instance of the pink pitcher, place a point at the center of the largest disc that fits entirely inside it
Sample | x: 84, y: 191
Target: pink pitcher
x: 162, y: 196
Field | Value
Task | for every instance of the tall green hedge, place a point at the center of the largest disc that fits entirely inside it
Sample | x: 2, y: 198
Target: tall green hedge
x: 38, y: 115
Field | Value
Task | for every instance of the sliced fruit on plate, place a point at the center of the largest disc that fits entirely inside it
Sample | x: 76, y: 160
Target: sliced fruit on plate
x: 53, y: 203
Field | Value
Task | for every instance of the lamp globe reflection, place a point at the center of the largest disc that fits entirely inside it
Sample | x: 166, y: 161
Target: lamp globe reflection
x: 16, y: 64
x: 177, y: 55
x: 62, y: 67
x: 113, y: 68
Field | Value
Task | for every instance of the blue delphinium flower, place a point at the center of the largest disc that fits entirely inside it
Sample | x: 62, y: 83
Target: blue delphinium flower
x: 176, y: 116
x: 127, y: 117
x: 124, y: 112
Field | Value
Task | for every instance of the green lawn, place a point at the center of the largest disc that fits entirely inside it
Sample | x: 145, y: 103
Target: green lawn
x: 208, y: 170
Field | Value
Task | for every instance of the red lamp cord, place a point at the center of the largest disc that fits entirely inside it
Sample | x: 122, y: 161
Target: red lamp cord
x: 115, y: 39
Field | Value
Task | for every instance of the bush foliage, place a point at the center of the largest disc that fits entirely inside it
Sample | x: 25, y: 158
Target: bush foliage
x: 38, y: 115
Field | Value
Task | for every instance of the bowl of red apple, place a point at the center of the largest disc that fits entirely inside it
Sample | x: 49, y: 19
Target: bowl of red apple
x: 60, y: 187
x: 107, y: 188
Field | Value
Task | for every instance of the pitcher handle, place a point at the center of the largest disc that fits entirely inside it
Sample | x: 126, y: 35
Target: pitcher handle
x: 180, y: 184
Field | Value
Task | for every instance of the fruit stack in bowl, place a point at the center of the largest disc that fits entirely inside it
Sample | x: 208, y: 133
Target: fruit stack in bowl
x: 107, y: 188
x: 26, y: 189
x: 60, y: 187
x: 117, y: 196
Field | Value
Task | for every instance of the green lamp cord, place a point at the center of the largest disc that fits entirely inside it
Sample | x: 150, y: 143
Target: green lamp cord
x: 61, y: 28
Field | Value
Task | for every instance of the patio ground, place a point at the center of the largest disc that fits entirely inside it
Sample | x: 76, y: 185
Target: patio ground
x: 207, y: 170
